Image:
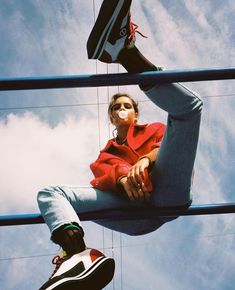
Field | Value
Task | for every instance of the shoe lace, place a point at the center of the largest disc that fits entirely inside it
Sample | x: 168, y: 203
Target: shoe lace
x: 133, y: 30
x: 57, y: 260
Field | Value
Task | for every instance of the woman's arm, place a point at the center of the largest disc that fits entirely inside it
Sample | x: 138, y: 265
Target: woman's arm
x: 107, y: 170
x: 151, y: 156
x: 134, y: 182
x: 137, y: 172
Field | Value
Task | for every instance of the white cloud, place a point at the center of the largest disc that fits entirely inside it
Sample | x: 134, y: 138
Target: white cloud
x: 34, y: 155
x: 185, y: 35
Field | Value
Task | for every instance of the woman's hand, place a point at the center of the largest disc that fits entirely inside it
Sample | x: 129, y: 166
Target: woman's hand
x: 133, y: 183
x: 136, y: 173
x: 135, y: 193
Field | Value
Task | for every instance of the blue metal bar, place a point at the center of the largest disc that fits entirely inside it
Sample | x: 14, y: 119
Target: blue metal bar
x: 127, y: 214
x: 72, y: 81
x: 50, y: 82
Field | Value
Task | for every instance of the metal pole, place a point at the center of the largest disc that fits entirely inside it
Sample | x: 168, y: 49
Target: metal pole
x: 127, y: 214
x: 72, y: 81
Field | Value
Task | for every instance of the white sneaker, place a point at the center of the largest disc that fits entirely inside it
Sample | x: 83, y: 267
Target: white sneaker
x: 88, y: 270
x: 112, y: 31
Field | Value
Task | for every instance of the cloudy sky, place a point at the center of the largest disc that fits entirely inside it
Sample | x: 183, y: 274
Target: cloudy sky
x: 51, y: 136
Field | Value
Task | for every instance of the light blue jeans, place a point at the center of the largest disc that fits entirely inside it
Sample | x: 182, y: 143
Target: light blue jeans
x: 171, y: 174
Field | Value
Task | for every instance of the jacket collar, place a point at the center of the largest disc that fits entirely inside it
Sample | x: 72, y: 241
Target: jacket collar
x: 136, y: 136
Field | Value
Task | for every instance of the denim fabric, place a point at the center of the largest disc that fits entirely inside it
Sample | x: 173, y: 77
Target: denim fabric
x: 171, y: 175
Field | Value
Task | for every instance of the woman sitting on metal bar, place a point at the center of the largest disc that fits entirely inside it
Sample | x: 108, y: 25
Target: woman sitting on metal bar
x: 143, y: 166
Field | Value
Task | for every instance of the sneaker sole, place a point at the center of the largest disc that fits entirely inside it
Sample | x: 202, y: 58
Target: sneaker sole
x: 95, y: 278
x: 104, y: 25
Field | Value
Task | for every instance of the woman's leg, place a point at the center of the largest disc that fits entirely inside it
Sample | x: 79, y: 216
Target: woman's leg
x: 172, y: 173
x: 80, y: 268
x: 59, y: 206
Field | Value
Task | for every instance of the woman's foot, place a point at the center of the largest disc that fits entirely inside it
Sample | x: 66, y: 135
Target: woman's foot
x: 113, y: 31
x: 112, y: 39
x: 88, y: 270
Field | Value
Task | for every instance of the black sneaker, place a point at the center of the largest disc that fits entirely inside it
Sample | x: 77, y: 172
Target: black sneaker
x: 112, y: 31
x: 88, y: 270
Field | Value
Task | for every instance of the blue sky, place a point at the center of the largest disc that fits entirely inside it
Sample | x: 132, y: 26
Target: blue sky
x: 46, y: 146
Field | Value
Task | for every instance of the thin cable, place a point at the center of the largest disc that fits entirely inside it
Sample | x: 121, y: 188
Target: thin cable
x: 54, y: 254
x: 210, y: 236
x: 121, y: 260
x: 219, y: 96
x: 49, y: 106
x: 112, y: 234
x: 27, y: 257
x: 98, y: 112
x: 120, y: 234
x: 90, y: 104
x: 97, y: 89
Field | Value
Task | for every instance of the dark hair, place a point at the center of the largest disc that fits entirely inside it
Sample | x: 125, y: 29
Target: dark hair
x: 119, y: 95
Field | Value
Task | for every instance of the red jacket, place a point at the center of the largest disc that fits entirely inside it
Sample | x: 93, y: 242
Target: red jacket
x: 115, y: 160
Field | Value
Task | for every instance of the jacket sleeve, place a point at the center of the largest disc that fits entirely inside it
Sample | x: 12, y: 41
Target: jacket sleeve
x: 107, y: 169
x: 158, y: 136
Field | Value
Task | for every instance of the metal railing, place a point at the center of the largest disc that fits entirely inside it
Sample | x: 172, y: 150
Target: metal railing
x: 159, y: 77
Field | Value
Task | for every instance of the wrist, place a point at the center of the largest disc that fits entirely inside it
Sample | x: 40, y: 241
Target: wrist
x: 147, y: 157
